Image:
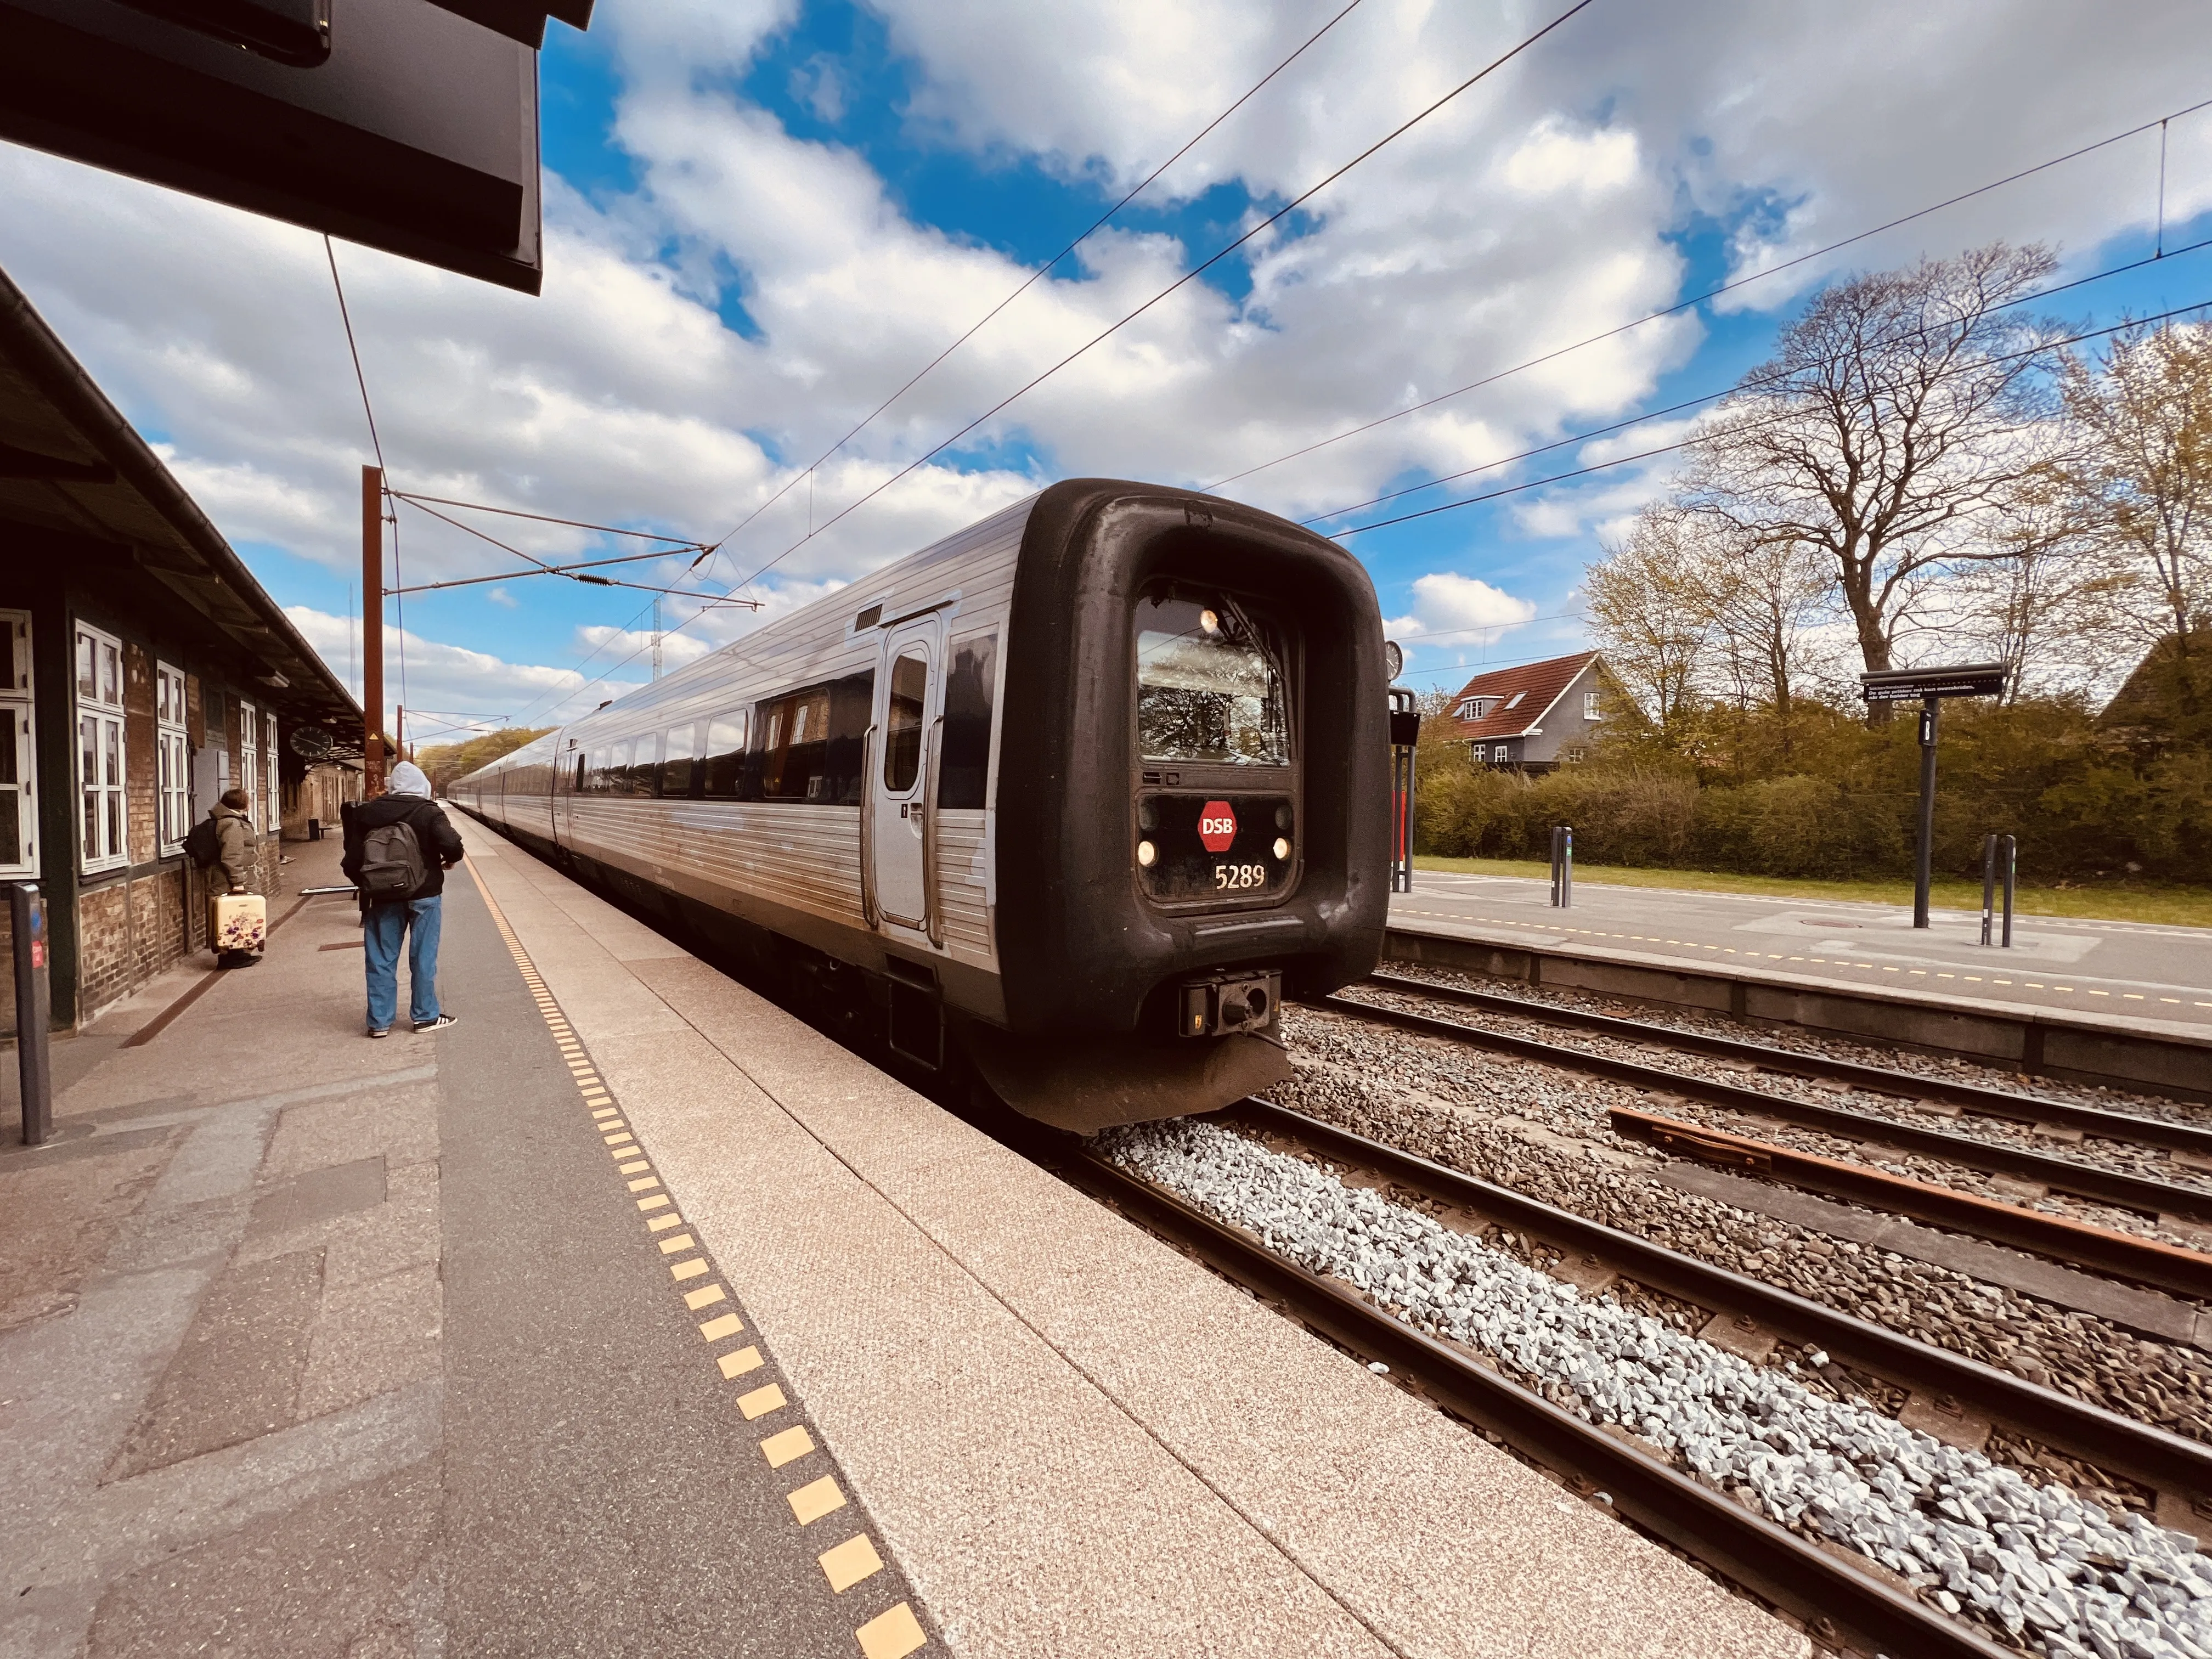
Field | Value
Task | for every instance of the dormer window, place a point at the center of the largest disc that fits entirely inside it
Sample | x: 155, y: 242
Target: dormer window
x: 1514, y: 701
x: 1475, y: 708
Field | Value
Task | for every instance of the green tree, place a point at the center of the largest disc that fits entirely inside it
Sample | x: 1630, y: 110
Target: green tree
x: 445, y: 761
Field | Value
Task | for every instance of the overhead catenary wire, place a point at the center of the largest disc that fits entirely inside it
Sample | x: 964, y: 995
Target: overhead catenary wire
x: 1715, y: 291
x: 376, y: 446
x: 1028, y: 282
x: 1692, y: 443
x: 1190, y: 275
x: 572, y: 572
x: 1749, y: 383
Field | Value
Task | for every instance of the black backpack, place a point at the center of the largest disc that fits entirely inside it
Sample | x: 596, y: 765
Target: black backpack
x: 203, y: 845
x: 391, y: 865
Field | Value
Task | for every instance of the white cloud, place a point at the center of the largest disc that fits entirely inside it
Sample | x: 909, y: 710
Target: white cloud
x: 450, y: 679
x: 1458, y: 613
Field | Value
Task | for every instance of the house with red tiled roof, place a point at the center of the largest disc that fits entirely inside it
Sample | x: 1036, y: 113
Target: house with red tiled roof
x: 1533, y: 716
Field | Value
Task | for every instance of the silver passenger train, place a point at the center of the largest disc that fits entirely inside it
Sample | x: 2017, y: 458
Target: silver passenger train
x: 1072, y: 797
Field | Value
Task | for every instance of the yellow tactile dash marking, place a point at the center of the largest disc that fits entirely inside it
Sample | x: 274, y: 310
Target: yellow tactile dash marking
x: 850, y: 1562
x: 759, y: 1402
x: 890, y: 1635
x: 816, y: 1499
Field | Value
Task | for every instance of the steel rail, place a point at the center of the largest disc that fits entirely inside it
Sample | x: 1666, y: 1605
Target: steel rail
x: 2137, y: 1193
x: 1978, y: 1098
x: 1837, y: 1604
x: 2153, y: 1455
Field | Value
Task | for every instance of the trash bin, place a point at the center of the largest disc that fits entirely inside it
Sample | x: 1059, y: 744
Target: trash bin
x: 314, y: 828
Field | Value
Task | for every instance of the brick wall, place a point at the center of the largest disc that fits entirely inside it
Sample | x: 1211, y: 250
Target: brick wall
x: 142, y: 759
x: 107, y: 961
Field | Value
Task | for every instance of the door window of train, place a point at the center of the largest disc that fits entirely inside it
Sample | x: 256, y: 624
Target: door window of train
x: 1210, y: 685
x: 908, y: 701
x: 676, y: 768
x: 724, y: 761
x: 965, y: 755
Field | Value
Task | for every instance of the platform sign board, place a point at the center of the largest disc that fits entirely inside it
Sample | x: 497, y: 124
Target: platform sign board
x: 1982, y: 679
x: 1930, y: 687
x: 403, y: 124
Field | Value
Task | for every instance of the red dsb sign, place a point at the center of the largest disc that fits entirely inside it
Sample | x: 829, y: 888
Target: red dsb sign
x: 1217, y: 825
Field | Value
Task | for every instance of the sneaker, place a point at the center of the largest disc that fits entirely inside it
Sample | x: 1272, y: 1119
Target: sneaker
x: 440, y: 1023
x: 379, y: 1031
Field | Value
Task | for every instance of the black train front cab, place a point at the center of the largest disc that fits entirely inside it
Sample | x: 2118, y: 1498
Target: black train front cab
x: 1191, y: 801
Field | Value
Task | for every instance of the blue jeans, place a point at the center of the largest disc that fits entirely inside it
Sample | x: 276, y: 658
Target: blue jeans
x: 380, y: 937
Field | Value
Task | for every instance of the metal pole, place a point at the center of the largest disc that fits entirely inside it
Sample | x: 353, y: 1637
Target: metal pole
x: 34, y: 1009
x: 1555, y: 867
x: 2008, y: 857
x: 1566, y: 866
x: 1989, y: 885
x: 1931, y: 711
x: 372, y: 629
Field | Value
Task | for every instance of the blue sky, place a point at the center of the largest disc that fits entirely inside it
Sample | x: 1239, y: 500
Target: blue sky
x: 764, y: 215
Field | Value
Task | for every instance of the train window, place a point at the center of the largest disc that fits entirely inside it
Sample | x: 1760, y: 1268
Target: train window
x: 725, y: 760
x: 908, y: 701
x: 676, y: 761
x: 1209, y: 685
x: 806, y: 744
x: 580, y: 772
x: 617, y: 775
x: 965, y: 755
x: 595, y: 774
x: 795, y: 742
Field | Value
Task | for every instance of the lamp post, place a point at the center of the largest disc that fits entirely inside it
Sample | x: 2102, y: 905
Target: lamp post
x: 1930, y: 687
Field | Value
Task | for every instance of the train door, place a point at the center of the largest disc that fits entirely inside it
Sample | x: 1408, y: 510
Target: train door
x: 902, y: 792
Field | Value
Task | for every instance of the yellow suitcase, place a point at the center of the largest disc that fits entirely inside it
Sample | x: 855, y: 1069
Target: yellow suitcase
x: 238, y: 921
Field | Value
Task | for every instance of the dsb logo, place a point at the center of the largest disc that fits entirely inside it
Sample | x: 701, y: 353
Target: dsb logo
x: 1217, y: 826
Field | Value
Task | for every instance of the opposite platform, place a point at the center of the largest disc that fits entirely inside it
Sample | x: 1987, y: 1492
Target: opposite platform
x: 1070, y: 1439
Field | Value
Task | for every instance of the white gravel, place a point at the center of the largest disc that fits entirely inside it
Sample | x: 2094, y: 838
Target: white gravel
x: 2054, y: 1573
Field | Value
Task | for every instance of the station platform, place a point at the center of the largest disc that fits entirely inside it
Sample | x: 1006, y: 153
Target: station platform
x: 2130, y: 975
x: 631, y: 1316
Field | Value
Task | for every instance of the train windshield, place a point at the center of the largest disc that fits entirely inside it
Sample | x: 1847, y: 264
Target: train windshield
x: 1209, y: 684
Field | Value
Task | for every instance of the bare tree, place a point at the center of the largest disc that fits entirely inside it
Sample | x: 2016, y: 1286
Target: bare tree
x: 2144, y: 485
x: 1651, y: 611
x: 1766, y: 596
x: 1900, y: 410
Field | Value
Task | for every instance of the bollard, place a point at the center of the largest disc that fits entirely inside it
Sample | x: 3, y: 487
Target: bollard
x: 1563, y: 867
x: 2000, y: 855
x: 1989, y: 885
x: 34, y: 1009
x: 2007, y: 861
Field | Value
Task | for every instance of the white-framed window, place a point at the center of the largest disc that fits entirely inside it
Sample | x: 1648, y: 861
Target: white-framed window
x: 18, y: 766
x: 103, y: 825
x: 1591, y: 709
x: 1502, y: 754
x: 249, y: 758
x: 173, y: 779
x: 271, y: 810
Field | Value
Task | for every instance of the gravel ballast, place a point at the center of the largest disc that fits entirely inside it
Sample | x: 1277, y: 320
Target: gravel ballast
x: 2054, y: 1573
x: 1541, y: 1131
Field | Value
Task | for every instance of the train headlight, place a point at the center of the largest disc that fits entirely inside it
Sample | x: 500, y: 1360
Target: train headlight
x: 1282, y: 847
x: 1147, y: 855
x: 1210, y: 621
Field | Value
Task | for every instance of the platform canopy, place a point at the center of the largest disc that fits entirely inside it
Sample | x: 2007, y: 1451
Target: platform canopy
x: 78, y: 486
x: 409, y: 125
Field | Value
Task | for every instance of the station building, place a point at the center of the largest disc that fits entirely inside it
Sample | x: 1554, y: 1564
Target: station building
x: 146, y: 672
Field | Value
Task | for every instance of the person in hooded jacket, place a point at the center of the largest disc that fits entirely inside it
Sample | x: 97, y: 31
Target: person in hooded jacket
x: 415, y: 917
x: 234, y: 863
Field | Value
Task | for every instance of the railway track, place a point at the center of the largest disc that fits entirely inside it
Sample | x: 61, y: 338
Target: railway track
x: 1842, y: 1599
x: 1976, y: 1099
x: 2097, y: 1249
